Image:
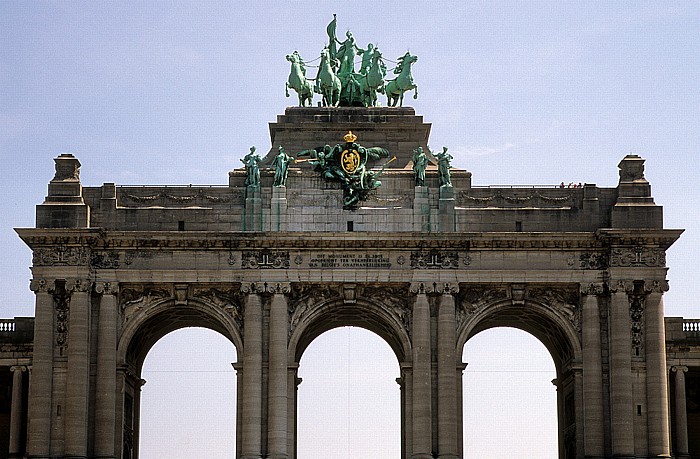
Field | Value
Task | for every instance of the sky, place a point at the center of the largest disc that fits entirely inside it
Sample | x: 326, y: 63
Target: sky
x: 525, y: 93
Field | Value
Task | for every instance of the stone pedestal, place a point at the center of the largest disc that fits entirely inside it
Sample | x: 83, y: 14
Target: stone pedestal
x: 252, y: 218
x: 421, y: 210
x: 278, y: 209
x: 447, y: 209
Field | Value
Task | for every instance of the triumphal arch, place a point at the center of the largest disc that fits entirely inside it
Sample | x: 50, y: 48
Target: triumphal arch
x: 349, y: 220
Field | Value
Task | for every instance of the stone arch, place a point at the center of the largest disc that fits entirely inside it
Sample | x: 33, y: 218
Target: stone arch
x: 152, y: 323
x: 558, y: 334
x: 371, y: 315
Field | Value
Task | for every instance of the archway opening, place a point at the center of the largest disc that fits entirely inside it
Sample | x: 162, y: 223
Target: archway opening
x: 188, y: 404
x: 349, y: 403
x: 509, y: 401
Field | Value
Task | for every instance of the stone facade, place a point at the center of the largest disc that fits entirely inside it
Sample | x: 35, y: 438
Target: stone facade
x: 425, y: 267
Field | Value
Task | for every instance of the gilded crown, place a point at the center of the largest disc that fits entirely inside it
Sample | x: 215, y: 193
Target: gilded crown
x: 350, y: 137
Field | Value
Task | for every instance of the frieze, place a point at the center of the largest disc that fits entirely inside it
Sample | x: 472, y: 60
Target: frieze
x: 637, y: 256
x: 61, y: 256
x: 201, y: 195
x: 265, y: 259
x: 434, y: 259
x: 593, y: 261
x: 105, y: 260
x: 500, y: 199
x: 349, y: 260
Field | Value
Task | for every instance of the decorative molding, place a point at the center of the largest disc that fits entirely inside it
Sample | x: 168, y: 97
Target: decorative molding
x: 134, y: 298
x: 436, y: 288
x: 637, y: 256
x: 165, y: 196
x: 62, y: 307
x: 79, y: 285
x: 474, y: 298
x: 434, y: 259
x: 265, y: 259
x: 500, y: 199
x: 61, y: 256
x: 637, y: 317
x: 305, y: 297
x: 37, y: 285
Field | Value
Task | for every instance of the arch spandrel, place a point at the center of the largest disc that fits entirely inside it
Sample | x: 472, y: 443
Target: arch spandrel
x: 555, y: 323
x: 156, y: 320
x: 385, y: 311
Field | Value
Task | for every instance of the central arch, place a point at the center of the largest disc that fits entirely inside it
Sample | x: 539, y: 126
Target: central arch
x: 556, y: 326
x: 388, y: 323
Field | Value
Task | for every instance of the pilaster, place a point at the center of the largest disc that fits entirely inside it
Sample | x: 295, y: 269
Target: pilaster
x: 106, y: 378
x: 621, y: 397
x: 421, y: 210
x: 593, y: 411
x: 422, y: 387
x: 447, y: 209
x: 447, y: 377
x: 252, y: 373
x: 278, y: 368
x: 656, y: 380
x: 78, y: 376
x: 278, y: 209
x: 252, y: 218
x: 41, y: 382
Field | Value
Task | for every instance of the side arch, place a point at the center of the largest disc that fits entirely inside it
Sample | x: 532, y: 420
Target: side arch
x: 159, y: 319
x: 558, y: 334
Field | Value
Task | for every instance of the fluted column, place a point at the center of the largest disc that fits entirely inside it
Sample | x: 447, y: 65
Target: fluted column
x: 293, y: 381
x: 277, y: 385
x: 78, y: 369
x: 41, y: 382
x: 252, y: 375
x: 16, y: 413
x: 657, y: 381
x: 106, y: 380
x: 621, y: 398
x: 447, y: 377
x: 422, y: 402
x: 593, y: 421
x: 681, y: 413
x: 407, y: 396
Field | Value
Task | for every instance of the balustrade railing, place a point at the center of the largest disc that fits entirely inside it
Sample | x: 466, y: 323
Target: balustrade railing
x: 691, y: 328
x: 17, y: 330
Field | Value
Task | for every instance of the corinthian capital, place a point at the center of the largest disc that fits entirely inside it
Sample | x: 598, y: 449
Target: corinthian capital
x: 622, y: 286
x: 593, y: 288
x: 656, y: 286
x: 107, y: 288
x: 40, y: 285
x: 78, y: 285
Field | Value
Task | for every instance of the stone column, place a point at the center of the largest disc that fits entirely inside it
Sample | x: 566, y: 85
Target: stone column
x: 407, y: 409
x: 78, y: 369
x: 278, y: 369
x: 461, y: 366
x: 106, y: 380
x: 16, y: 413
x: 593, y: 411
x: 422, y: 387
x: 293, y: 382
x: 252, y: 375
x: 621, y: 398
x: 681, y: 413
x: 41, y: 382
x: 446, y: 375
x: 657, y: 382
x: 238, y: 366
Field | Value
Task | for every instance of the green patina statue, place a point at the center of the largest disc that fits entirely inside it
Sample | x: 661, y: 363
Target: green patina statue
x: 281, y: 165
x: 347, y: 164
x: 420, y: 162
x: 297, y: 80
x: 338, y: 82
x: 444, y: 166
x: 252, y: 169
